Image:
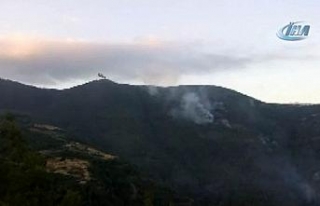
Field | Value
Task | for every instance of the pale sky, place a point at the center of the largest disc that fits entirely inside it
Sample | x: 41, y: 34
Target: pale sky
x: 61, y: 43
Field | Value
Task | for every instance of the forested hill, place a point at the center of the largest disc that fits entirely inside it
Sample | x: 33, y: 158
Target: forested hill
x: 218, y: 146
x: 40, y: 166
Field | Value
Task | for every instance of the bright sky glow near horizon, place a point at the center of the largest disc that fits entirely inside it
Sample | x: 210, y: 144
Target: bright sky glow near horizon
x: 232, y: 44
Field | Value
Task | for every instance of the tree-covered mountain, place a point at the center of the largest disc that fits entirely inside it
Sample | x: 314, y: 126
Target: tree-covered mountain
x: 215, y: 145
x: 40, y: 166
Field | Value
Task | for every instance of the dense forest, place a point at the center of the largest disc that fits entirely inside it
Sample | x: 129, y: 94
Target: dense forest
x: 25, y: 180
x: 185, y: 145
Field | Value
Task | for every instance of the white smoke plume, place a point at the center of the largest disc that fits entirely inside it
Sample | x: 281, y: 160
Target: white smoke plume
x: 152, y: 90
x: 194, y: 108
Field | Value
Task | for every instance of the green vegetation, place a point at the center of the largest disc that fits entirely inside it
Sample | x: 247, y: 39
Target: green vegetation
x: 253, y: 153
x: 23, y: 177
x: 25, y: 180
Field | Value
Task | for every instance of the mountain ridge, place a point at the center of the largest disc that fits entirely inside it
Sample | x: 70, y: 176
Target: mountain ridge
x: 110, y: 82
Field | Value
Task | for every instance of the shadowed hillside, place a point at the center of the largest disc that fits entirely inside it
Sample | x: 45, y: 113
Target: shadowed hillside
x: 213, y: 144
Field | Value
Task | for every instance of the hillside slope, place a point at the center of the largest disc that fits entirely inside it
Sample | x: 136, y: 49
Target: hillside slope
x: 214, y: 144
x: 40, y: 166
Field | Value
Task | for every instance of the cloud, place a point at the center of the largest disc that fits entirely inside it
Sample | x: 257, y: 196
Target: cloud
x: 50, y: 62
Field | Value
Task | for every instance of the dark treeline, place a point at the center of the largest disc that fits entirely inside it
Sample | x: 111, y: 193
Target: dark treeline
x: 25, y: 181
